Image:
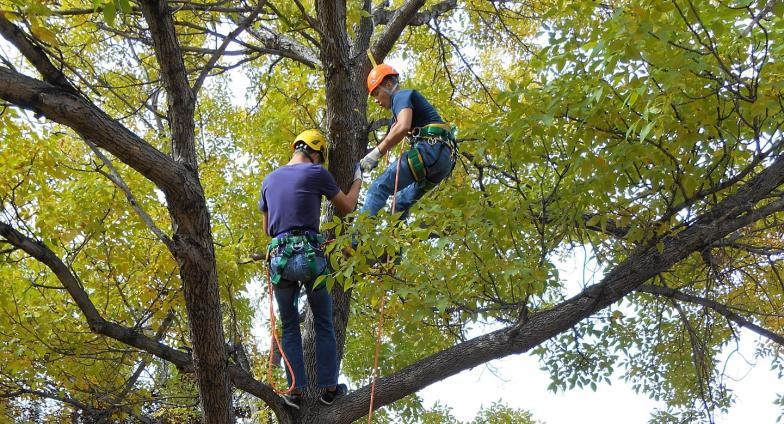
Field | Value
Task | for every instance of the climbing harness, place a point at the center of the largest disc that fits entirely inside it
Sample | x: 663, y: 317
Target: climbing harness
x: 431, y: 134
x: 293, y: 243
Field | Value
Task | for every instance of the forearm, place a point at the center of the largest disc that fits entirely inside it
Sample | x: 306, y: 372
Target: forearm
x: 353, y: 194
x: 346, y: 202
x: 396, y: 134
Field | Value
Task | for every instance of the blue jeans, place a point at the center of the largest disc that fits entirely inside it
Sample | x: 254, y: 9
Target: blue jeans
x: 438, y: 161
x: 286, y: 296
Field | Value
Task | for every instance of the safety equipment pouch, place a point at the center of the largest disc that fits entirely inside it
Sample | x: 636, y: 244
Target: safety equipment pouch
x: 416, y: 164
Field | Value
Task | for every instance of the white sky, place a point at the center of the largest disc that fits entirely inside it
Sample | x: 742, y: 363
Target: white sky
x: 523, y: 385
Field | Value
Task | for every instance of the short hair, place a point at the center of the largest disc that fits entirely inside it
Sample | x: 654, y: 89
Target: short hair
x: 301, y: 146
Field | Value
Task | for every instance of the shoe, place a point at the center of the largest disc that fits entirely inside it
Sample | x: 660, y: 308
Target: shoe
x: 293, y: 400
x: 329, y: 396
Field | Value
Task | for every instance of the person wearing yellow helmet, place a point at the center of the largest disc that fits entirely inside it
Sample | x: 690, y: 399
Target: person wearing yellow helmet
x: 433, y: 151
x: 290, y: 203
x: 311, y: 141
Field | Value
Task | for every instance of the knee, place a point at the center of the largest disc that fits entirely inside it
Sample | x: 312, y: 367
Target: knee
x: 290, y: 323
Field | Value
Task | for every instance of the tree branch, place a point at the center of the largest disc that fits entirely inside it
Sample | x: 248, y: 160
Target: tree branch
x: 180, y: 97
x: 247, y: 22
x: 241, y: 379
x: 97, y: 323
x: 363, y: 32
x: 395, y: 26
x: 115, y: 178
x: 754, y: 22
x: 720, y: 308
x: 284, y: 46
x: 384, y: 16
x: 643, y: 264
x: 35, y: 55
x: 64, y: 107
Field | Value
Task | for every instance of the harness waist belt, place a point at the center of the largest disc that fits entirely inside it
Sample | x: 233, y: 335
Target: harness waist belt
x: 442, y: 130
x: 291, y: 242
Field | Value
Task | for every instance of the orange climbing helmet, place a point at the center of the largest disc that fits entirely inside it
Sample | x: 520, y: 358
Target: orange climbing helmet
x: 377, y: 75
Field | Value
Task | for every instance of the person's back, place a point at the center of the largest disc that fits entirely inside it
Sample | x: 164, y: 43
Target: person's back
x: 423, y: 113
x: 292, y: 196
x: 290, y: 202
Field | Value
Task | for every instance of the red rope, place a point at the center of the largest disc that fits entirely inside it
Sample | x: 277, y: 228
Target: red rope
x: 383, y: 300
x: 275, y: 341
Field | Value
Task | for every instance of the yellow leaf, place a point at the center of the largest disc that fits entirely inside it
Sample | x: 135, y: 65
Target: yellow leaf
x: 44, y: 34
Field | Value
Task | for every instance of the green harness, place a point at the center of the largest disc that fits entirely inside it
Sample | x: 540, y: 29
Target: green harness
x: 299, y: 243
x: 432, y: 133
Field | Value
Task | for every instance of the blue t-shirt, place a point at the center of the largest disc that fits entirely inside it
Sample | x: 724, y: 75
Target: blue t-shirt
x: 291, y: 195
x: 423, y: 112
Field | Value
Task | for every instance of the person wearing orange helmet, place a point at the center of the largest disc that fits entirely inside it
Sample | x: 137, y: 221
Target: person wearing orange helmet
x: 290, y: 202
x: 431, y: 157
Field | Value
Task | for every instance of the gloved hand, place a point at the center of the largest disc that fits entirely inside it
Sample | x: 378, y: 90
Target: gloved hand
x: 357, y: 172
x: 370, y: 160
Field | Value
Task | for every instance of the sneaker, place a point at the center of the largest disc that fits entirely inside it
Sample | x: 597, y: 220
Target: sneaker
x: 293, y: 400
x: 329, y: 396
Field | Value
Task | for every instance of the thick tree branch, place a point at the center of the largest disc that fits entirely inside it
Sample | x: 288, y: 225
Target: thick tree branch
x: 395, y: 26
x: 334, y: 44
x: 65, y: 107
x: 35, y: 54
x: 362, y: 32
x: 720, y: 308
x: 643, y: 264
x: 384, y: 16
x: 284, y: 46
x: 99, y: 325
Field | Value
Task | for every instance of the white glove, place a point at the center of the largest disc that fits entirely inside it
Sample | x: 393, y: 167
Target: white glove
x: 357, y: 172
x: 370, y: 160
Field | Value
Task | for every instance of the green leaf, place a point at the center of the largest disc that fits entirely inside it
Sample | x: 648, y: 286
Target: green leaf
x: 110, y: 12
x: 645, y: 130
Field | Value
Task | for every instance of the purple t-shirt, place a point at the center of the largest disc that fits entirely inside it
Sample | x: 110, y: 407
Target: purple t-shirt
x: 291, y: 195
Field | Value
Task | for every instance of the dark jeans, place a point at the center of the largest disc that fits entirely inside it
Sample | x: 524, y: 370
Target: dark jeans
x: 320, y: 301
x: 438, y: 161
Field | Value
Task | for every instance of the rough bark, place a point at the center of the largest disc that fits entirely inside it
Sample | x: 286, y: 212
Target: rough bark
x: 194, y: 249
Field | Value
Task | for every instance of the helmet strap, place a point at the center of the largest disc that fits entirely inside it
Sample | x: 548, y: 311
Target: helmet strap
x: 390, y: 91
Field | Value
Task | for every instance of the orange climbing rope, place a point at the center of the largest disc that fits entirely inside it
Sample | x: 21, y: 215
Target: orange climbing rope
x: 383, y: 300
x: 275, y: 341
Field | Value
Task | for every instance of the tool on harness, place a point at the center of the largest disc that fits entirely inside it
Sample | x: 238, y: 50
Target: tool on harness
x: 431, y: 133
x: 294, y: 243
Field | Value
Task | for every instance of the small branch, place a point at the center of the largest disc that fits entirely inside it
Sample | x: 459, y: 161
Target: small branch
x: 35, y: 54
x: 115, y: 178
x: 720, y: 308
x: 247, y: 22
x: 754, y: 22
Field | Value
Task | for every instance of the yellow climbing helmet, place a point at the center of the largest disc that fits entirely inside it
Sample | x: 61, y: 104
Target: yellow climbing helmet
x: 314, y: 139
